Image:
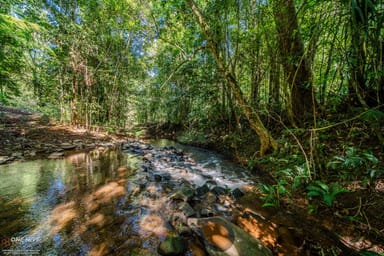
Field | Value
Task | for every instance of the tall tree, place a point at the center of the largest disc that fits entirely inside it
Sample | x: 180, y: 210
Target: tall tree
x: 296, y: 65
x: 15, y: 41
x: 366, y: 52
x: 266, y: 141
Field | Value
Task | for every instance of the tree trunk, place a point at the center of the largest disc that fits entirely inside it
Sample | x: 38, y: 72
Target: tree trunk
x: 381, y: 81
x: 274, y: 86
x: 296, y: 65
x: 366, y: 25
x: 266, y: 141
x: 255, y: 74
x: 74, y: 116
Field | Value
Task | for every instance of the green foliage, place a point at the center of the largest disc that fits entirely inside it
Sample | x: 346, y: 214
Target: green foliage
x: 193, y: 137
x: 327, y: 193
x: 370, y: 253
x: 120, y: 64
x: 138, y: 133
x: 297, y: 176
x: 251, y: 163
x: 354, y: 164
x: 272, y: 194
x: 15, y: 38
x: 373, y: 115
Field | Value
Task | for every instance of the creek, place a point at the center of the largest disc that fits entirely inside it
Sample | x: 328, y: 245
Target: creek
x: 114, y: 201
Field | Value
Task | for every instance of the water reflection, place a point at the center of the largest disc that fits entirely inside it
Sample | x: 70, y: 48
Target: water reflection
x: 102, y: 202
x: 70, y: 206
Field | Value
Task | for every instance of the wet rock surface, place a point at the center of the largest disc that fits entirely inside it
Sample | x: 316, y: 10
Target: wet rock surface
x: 195, y: 204
x: 173, y: 246
x: 112, y: 203
x: 222, y: 238
x: 152, y: 200
x: 165, y: 190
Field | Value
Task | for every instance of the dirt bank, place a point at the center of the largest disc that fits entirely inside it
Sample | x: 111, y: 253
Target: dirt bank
x: 25, y: 135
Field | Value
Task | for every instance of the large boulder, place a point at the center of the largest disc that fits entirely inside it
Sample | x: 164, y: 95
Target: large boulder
x: 223, y: 238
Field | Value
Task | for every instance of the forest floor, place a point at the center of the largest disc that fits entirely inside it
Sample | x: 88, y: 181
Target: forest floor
x: 25, y: 135
x: 354, y: 224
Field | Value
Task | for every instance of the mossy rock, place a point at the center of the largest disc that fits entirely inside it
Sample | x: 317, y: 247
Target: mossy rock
x: 172, y: 246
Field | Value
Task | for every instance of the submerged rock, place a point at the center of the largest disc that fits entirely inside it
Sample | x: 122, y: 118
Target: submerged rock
x: 223, y: 238
x: 172, y: 246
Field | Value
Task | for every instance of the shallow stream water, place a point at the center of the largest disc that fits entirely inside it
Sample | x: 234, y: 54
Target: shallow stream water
x: 103, y: 202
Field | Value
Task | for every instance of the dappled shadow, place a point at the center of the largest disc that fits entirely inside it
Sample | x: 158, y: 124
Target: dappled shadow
x: 25, y: 135
x: 352, y: 225
x: 103, y: 203
x: 91, y: 217
x: 12, y: 215
x: 62, y: 216
x: 101, y: 215
x: 102, y: 196
x: 261, y: 223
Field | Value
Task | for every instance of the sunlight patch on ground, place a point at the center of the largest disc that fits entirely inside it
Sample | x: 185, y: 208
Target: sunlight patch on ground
x: 260, y: 229
x: 361, y: 243
x: 152, y: 225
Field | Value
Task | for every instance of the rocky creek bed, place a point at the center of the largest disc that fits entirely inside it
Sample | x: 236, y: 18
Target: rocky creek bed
x: 137, y: 199
x: 197, y: 207
x: 88, y: 198
x: 25, y: 135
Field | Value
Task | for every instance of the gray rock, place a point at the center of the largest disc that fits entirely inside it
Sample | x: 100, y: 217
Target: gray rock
x: 91, y: 145
x: 157, y: 177
x: 237, y: 193
x: 55, y: 155
x: 30, y: 153
x: 179, y: 196
x: 6, y: 159
x: 220, y: 208
x: 200, y: 191
x: 219, y: 190
x: 146, y: 167
x: 187, y: 209
x: 67, y: 146
x: 205, y: 212
x: 17, y: 154
x: 80, y: 146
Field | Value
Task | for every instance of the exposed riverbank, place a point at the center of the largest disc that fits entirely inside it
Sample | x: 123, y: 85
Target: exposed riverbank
x: 26, y: 136
x: 354, y: 222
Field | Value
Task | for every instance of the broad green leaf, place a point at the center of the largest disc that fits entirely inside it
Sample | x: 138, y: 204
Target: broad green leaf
x: 313, y: 193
